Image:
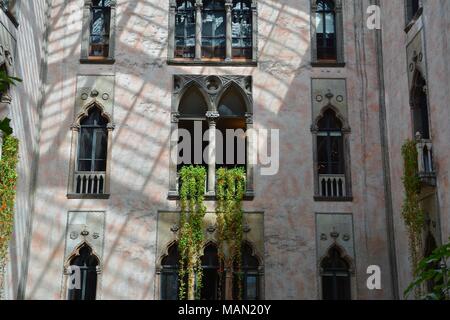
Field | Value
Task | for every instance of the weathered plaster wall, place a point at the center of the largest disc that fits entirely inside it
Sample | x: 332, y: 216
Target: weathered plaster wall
x: 140, y: 153
x: 29, y: 65
x: 395, y: 40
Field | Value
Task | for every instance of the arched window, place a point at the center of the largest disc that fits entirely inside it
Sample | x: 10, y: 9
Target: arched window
x: 192, y: 120
x: 213, y: 29
x: 419, y: 105
x: 249, y: 276
x: 335, y: 276
x: 210, y: 281
x: 100, y: 28
x: 330, y: 144
x: 242, y: 29
x: 185, y: 29
x: 326, y: 30
x: 232, y: 125
x: 169, y: 274
x: 85, y: 266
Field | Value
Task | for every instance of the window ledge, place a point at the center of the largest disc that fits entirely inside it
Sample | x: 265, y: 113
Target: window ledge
x: 88, y: 196
x: 97, y: 61
x: 173, y: 195
x: 184, y: 62
x: 333, y: 199
x: 320, y: 64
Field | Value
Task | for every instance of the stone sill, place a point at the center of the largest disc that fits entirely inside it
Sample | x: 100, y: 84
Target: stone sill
x: 88, y: 196
x: 333, y: 199
x: 320, y: 64
x: 180, y: 62
x: 173, y: 195
x: 97, y: 61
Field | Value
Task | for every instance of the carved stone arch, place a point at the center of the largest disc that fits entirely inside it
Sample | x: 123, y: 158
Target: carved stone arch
x: 194, y: 84
x: 76, y: 252
x: 207, y: 243
x: 85, y: 113
x: 233, y: 84
x: 165, y: 253
x: 254, y: 252
x: 342, y: 254
x: 345, y: 126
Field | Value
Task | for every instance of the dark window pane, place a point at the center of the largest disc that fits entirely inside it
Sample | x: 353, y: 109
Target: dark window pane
x: 213, y: 29
x: 87, y: 263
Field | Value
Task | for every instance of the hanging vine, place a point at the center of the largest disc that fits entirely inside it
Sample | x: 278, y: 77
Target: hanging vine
x: 8, y: 180
x: 230, y: 192
x: 191, y: 236
x: 412, y: 213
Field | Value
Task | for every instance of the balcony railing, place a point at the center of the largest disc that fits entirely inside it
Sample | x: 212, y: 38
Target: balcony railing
x: 426, y: 168
x: 332, y: 185
x: 89, y: 183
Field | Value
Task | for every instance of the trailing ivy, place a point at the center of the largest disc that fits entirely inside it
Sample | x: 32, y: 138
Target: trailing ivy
x: 230, y: 191
x: 412, y: 213
x: 191, y: 235
x: 8, y: 180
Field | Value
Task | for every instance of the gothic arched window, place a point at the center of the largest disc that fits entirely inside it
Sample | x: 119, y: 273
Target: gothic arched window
x: 100, y: 28
x: 326, y: 30
x: 242, y: 29
x: 330, y: 144
x: 213, y: 29
x: 419, y: 105
x: 249, y: 276
x: 84, y: 265
x: 185, y: 29
x: 335, y: 273
x: 210, y: 281
x: 169, y: 274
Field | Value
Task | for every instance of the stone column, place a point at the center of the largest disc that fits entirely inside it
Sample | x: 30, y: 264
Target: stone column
x: 73, y: 157
x: 85, y: 30
x: 198, y: 30
x: 251, y: 153
x: 228, y: 284
x: 228, y: 37
x: 254, y: 31
x: 339, y: 34
x: 171, y: 46
x: 173, y: 175
x: 107, y: 182
x: 112, y: 31
x: 212, y: 117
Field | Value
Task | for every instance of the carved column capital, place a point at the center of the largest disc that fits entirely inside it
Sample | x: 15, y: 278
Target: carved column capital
x: 212, y: 116
x: 249, y: 118
x: 110, y: 126
x: 175, y: 117
x: 75, y: 127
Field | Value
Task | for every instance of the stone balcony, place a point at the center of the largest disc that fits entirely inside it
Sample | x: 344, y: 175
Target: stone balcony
x: 426, y: 168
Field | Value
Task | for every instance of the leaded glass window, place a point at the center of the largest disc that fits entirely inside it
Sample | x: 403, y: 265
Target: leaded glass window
x: 185, y: 29
x: 213, y: 29
x: 242, y: 29
x: 87, y: 263
x: 100, y: 28
x: 326, y: 30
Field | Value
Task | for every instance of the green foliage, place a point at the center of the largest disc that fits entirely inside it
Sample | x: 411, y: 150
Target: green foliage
x: 412, y: 213
x: 8, y: 180
x: 191, y: 230
x: 230, y: 192
x: 430, y: 270
x: 5, y: 82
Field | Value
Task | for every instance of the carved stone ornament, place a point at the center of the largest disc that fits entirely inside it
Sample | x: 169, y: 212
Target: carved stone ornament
x: 73, y: 235
x: 95, y: 235
x: 211, y: 229
x: 246, y: 228
x: 84, y: 233
x: 174, y: 228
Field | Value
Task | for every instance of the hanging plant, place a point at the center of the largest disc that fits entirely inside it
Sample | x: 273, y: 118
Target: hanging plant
x: 8, y: 180
x: 230, y: 192
x: 191, y: 236
x: 412, y: 213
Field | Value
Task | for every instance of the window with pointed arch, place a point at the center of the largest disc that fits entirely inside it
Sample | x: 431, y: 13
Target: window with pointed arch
x: 85, y: 266
x: 419, y: 105
x: 210, y: 267
x: 330, y: 157
x: 327, y: 32
x: 249, y: 276
x: 90, y: 155
x: 335, y: 273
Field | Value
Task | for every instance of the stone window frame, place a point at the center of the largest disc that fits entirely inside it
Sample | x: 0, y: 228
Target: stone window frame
x: 340, y: 57
x: 75, y: 128
x: 66, y: 268
x: 10, y: 10
x: 181, y: 85
x: 87, y: 16
x: 410, y: 20
x: 346, y: 131
x: 171, y: 60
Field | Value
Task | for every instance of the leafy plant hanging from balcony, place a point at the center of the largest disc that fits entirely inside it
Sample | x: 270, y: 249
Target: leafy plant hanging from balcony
x: 230, y: 192
x: 412, y: 213
x: 191, y: 236
x: 8, y: 180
